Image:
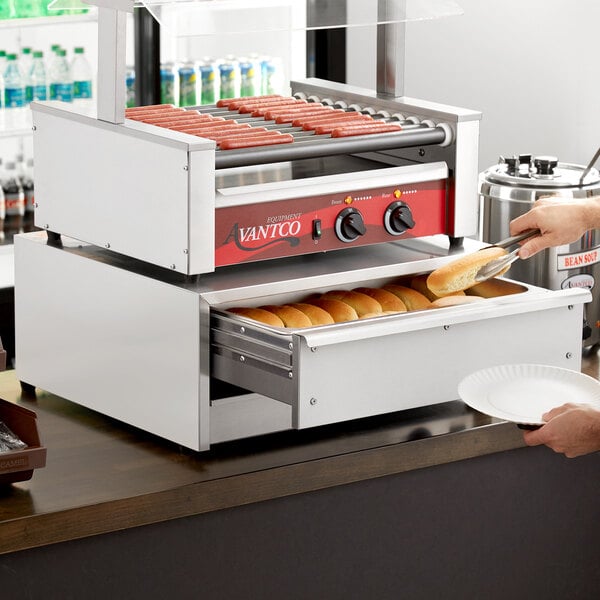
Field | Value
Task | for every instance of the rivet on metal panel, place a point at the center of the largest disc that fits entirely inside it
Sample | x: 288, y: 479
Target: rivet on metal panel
x: 34, y: 128
x: 291, y: 346
x: 242, y: 330
x: 569, y: 355
x: 313, y: 349
x: 290, y: 375
x: 173, y: 267
x: 46, y: 226
x: 242, y: 359
x: 570, y: 307
x: 185, y: 250
x: 185, y: 168
x: 421, y: 152
x: 35, y: 205
x: 313, y: 401
x: 446, y: 327
x: 107, y: 245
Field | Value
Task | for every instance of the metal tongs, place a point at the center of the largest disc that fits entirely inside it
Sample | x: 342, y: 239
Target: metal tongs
x: 496, y: 266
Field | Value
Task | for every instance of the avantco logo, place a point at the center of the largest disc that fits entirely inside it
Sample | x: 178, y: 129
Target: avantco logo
x: 249, y: 238
x: 578, y: 281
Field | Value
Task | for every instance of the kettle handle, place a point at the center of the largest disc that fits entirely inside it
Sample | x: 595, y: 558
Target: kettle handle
x: 589, y: 167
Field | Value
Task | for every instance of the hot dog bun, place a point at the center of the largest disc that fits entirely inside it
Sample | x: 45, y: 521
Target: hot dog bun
x: 495, y: 287
x: 317, y: 315
x: 419, y: 283
x: 460, y: 273
x: 454, y: 301
x: 291, y: 317
x: 412, y: 299
x: 361, y: 303
x: 388, y: 301
x: 339, y: 311
x: 258, y: 314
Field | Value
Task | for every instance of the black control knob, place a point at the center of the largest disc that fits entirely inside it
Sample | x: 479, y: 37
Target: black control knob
x: 398, y: 218
x: 545, y: 165
x: 512, y: 163
x: 349, y: 225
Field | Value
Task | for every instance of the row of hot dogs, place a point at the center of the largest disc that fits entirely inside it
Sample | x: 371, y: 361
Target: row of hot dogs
x: 229, y: 134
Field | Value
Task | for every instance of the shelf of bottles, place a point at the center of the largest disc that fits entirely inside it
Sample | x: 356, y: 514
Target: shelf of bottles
x: 32, y: 68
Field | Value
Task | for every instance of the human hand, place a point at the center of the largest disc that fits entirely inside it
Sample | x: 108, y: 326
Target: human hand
x: 559, y: 221
x: 570, y: 429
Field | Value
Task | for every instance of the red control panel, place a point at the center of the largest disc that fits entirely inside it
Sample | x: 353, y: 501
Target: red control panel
x: 329, y: 222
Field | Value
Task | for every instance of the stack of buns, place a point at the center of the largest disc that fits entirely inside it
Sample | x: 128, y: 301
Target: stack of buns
x: 340, y: 306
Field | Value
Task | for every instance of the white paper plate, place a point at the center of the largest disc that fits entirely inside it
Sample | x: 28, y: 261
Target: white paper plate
x: 523, y: 393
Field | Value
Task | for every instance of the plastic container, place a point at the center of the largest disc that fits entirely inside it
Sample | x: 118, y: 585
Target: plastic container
x: 14, y: 198
x: 14, y: 93
x: 130, y: 85
x: 60, y: 79
x: 81, y: 72
x: 18, y: 465
x: 37, y: 81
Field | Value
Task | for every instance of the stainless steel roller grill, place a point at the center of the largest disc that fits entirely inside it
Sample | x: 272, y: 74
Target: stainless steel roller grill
x: 153, y: 234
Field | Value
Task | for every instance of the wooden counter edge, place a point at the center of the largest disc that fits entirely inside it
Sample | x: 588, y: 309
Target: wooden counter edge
x: 247, y: 488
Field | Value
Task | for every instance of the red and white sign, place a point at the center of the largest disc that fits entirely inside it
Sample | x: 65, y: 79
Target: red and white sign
x: 578, y: 260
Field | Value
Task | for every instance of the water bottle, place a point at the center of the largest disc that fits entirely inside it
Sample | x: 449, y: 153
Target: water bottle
x: 61, y: 82
x: 37, y: 84
x: 81, y: 71
x: 130, y: 86
x: 2, y: 69
x: 25, y: 61
x: 26, y: 178
x: 14, y: 93
x: 14, y: 198
x: 2, y: 206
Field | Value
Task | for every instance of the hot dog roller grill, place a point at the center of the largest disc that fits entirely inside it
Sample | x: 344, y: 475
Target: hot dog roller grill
x: 151, y: 234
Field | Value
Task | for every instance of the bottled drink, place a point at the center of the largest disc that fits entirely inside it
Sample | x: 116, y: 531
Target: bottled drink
x: 81, y: 72
x: 130, y: 85
x: 61, y: 82
x: 14, y: 93
x: 26, y: 177
x: 37, y: 84
x: 209, y: 81
x: 2, y: 207
x: 167, y: 83
x: 229, y: 72
x: 187, y: 84
x: 2, y: 69
x: 25, y: 62
x: 14, y: 199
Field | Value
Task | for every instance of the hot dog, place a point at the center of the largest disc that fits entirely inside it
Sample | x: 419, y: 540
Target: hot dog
x: 250, y: 107
x: 218, y: 133
x: 133, y: 109
x: 252, y: 141
x: 366, y: 129
x: 224, y: 102
x: 293, y: 112
x: 334, y: 114
x: 142, y: 116
x: 262, y: 109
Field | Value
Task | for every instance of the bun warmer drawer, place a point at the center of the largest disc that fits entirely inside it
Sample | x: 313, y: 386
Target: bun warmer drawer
x: 152, y: 348
x: 355, y: 369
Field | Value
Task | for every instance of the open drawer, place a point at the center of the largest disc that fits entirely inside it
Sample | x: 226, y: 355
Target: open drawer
x: 393, y: 362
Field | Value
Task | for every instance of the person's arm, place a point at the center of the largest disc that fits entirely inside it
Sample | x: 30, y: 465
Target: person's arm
x: 571, y: 429
x: 560, y: 222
